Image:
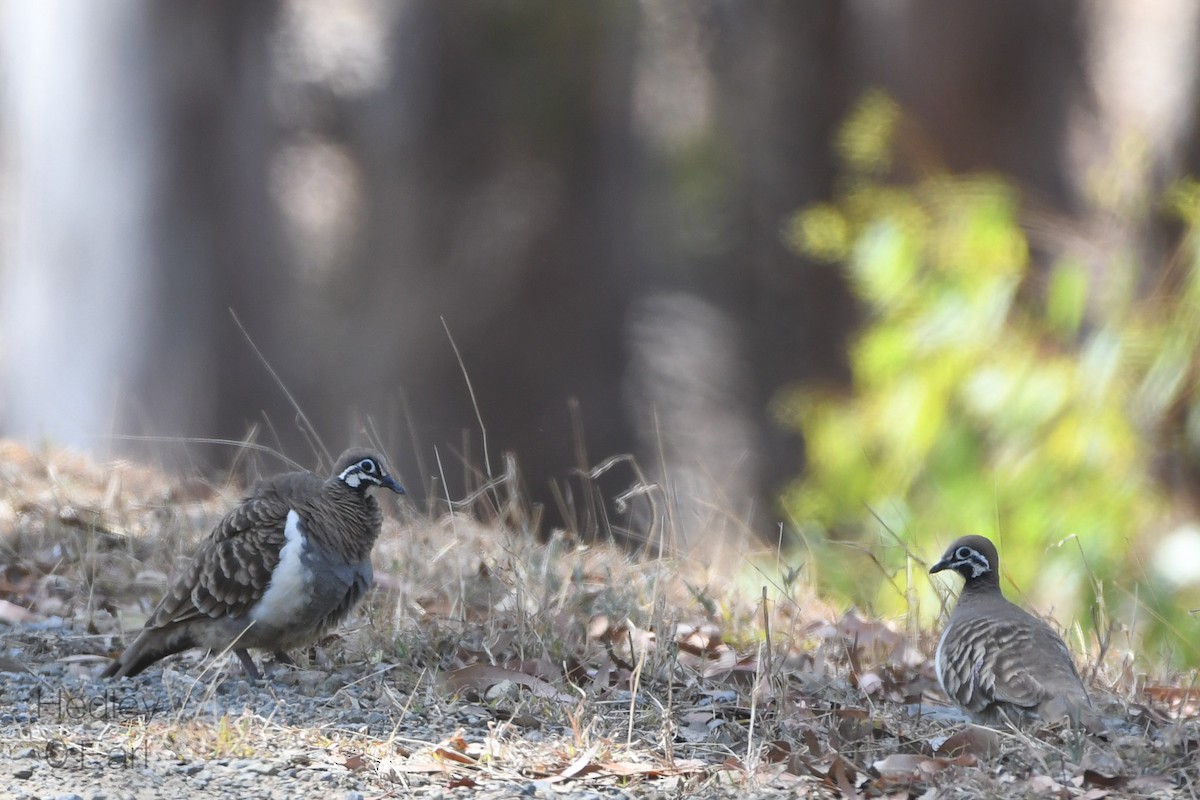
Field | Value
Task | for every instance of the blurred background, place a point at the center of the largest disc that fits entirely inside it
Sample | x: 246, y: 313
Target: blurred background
x: 849, y: 278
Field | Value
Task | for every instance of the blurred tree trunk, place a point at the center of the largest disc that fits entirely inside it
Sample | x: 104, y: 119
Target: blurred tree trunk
x: 992, y: 84
x: 215, y: 240
x: 77, y: 180
x: 734, y: 316
x: 493, y: 163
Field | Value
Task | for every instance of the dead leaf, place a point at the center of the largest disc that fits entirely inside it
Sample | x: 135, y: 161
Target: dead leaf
x: 974, y: 740
x: 484, y: 676
x: 453, y: 749
x: 598, y: 627
x: 354, y: 763
x: 679, y: 767
x: 867, y: 634
x: 1045, y: 785
x: 1093, y: 778
x: 15, y: 614
x: 537, y: 667
x: 869, y: 683
x: 581, y: 763
x: 697, y: 639
x: 1182, y: 700
x: 918, y: 766
x: 714, y: 663
x: 841, y: 780
x: 81, y: 658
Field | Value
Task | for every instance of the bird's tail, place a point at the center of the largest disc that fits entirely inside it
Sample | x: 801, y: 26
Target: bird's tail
x: 150, y: 645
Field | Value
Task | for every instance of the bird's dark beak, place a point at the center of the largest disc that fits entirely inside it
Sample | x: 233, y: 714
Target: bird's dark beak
x: 939, y: 566
x: 390, y: 483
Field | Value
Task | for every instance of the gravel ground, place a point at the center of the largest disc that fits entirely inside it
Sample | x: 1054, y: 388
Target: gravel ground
x: 184, y: 730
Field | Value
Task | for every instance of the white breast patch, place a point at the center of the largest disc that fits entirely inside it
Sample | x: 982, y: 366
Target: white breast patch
x: 290, y: 587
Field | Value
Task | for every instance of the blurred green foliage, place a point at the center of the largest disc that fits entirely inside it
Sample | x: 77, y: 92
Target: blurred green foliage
x: 1028, y: 402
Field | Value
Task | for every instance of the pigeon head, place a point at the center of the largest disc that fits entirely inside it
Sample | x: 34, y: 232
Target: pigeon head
x: 973, y: 557
x: 360, y: 469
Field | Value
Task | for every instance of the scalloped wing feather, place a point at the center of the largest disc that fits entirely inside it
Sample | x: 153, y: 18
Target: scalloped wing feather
x: 1015, y: 660
x: 233, y: 566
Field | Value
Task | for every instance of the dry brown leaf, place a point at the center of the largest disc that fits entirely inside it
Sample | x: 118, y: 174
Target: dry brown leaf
x: 918, y: 766
x: 1045, y: 785
x: 697, y: 639
x: 842, y: 777
x: 1182, y: 700
x: 15, y: 614
x: 598, y: 627
x: 423, y: 763
x: 869, y: 683
x: 581, y: 763
x: 1093, y: 778
x: 484, y: 676
x: 718, y: 662
x: 537, y: 667
x: 631, y: 639
x: 974, y: 740
x: 453, y: 749
x: 679, y: 767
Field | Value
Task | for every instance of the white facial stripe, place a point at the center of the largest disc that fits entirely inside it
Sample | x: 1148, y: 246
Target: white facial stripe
x: 975, y: 560
x: 352, y: 477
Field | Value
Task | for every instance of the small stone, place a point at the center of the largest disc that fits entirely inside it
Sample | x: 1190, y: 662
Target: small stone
x: 23, y: 774
x: 353, y: 795
x: 69, y: 797
x: 501, y: 690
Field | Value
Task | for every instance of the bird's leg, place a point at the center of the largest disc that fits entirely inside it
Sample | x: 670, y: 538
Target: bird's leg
x: 248, y: 664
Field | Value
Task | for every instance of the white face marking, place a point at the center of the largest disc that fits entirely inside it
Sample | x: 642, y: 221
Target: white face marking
x: 970, y: 557
x: 356, y: 474
x: 289, y: 589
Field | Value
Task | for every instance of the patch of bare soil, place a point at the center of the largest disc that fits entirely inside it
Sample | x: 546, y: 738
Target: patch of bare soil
x: 486, y: 662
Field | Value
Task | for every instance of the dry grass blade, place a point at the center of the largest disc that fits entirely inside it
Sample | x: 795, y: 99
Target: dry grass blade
x: 557, y: 661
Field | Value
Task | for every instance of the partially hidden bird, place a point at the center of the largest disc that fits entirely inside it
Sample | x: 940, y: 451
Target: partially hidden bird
x: 997, y: 661
x: 277, y: 572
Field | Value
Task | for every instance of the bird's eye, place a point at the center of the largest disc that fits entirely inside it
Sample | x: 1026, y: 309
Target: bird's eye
x: 367, y: 466
x: 963, y: 552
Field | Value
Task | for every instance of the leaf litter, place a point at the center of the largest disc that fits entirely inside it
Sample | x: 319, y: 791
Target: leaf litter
x: 575, y: 664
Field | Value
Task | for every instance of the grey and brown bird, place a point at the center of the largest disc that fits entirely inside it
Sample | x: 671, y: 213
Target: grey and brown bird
x: 277, y: 572
x: 997, y: 661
